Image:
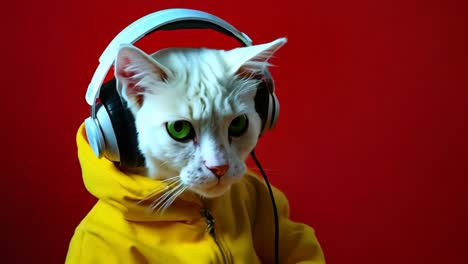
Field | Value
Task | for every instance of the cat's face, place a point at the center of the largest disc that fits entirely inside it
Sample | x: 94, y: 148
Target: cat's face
x: 194, y: 111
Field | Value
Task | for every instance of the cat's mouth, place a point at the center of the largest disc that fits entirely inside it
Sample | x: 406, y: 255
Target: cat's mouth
x: 211, y: 191
x: 209, y: 187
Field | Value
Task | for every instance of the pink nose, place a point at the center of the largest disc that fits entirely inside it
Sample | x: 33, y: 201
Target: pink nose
x: 219, y: 171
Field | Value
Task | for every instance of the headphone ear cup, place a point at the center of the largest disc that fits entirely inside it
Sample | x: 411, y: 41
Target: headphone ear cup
x: 95, y: 136
x: 275, y: 108
x: 266, y: 102
x: 262, y: 105
x: 123, y: 125
x: 111, y: 147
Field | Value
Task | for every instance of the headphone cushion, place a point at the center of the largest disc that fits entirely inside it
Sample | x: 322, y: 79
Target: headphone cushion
x: 123, y: 124
x: 275, y: 110
x: 262, y: 104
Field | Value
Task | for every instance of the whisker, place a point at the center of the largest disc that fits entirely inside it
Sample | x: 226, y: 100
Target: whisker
x: 171, y: 179
x: 169, y: 201
x: 161, y: 199
x: 164, y: 197
x: 160, y: 189
x: 163, y: 163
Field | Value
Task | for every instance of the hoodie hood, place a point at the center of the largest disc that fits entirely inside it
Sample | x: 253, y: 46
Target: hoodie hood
x: 130, y: 193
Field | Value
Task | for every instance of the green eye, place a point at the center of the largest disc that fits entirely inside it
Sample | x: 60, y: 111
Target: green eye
x: 238, y: 126
x: 180, y: 130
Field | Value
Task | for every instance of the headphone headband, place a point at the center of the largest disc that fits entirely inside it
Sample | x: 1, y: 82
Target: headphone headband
x: 110, y: 128
x: 162, y: 20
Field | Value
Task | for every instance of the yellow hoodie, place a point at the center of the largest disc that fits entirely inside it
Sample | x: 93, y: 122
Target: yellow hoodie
x: 121, y: 229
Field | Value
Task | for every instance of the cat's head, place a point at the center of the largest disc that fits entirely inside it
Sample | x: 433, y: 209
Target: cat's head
x: 194, y: 111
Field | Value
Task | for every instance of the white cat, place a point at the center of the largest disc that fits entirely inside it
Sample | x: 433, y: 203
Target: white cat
x: 196, y: 123
x: 194, y: 111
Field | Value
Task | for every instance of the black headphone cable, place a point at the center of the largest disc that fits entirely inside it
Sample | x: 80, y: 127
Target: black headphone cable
x: 275, y: 210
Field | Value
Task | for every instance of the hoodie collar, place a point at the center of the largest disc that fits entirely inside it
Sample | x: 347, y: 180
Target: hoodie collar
x: 129, y: 192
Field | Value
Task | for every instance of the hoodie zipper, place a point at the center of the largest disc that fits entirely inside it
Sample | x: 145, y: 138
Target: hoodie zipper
x: 210, y: 228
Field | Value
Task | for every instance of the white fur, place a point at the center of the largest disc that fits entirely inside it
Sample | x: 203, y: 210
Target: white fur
x: 200, y: 86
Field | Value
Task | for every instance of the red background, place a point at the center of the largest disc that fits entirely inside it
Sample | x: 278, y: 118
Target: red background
x: 371, y: 145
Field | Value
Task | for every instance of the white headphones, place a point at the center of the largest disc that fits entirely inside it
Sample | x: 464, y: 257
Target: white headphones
x: 110, y: 128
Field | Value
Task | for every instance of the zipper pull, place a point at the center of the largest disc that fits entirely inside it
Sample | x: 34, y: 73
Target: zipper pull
x: 210, y: 221
x: 210, y: 228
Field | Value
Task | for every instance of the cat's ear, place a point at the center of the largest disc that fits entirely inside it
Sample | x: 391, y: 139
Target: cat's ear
x: 137, y: 75
x: 252, y: 59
